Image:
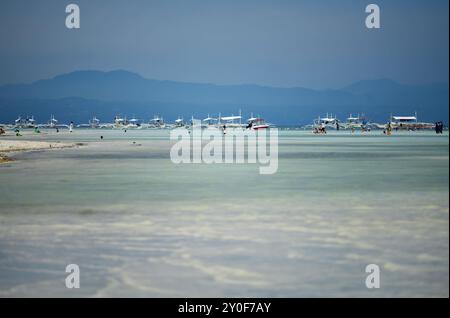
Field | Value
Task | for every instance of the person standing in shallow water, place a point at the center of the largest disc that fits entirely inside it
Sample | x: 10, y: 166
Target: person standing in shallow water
x: 389, y: 129
x: 439, y: 127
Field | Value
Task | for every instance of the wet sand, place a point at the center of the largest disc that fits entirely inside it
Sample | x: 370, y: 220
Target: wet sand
x: 8, y: 146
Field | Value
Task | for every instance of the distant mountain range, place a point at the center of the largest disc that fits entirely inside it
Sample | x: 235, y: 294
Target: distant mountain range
x: 79, y: 95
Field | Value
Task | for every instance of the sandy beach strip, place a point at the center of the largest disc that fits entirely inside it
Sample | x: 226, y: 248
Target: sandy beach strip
x: 7, y: 146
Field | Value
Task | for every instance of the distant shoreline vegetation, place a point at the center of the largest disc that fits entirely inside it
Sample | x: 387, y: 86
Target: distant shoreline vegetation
x: 80, y: 95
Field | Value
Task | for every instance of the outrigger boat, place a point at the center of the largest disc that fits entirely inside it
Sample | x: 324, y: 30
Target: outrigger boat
x: 356, y: 123
x: 409, y: 123
x: 179, y: 122
x: 229, y: 122
x: 157, y: 123
x: 124, y: 123
x: 210, y: 122
x: 120, y: 122
x: 405, y: 123
x: 195, y: 124
x: 134, y: 123
x: 328, y: 122
x: 93, y: 123
x: 28, y: 122
x: 53, y: 123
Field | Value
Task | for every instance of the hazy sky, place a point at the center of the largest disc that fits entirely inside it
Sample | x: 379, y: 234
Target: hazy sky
x: 312, y: 43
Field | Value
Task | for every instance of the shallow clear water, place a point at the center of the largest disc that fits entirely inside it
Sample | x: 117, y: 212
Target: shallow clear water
x: 139, y: 225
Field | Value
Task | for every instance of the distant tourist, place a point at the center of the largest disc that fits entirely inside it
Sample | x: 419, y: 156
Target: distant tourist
x: 439, y: 127
x: 320, y: 130
x: 389, y: 129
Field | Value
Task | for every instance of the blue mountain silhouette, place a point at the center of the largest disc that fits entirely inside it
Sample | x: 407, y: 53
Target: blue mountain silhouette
x: 81, y: 94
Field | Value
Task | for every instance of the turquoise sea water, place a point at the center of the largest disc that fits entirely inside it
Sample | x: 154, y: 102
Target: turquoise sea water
x: 139, y: 225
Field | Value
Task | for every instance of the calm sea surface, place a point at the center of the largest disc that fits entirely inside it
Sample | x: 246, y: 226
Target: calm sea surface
x: 139, y: 225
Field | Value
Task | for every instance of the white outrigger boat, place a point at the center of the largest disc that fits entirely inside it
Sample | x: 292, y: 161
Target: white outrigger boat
x: 134, y: 123
x: 93, y: 123
x: 328, y: 122
x: 409, y: 123
x: 179, y: 122
x: 356, y: 123
x: 28, y: 122
x: 210, y: 122
x: 119, y: 122
x: 229, y: 122
x: 53, y: 124
x: 124, y: 123
x: 156, y: 123
x: 405, y: 123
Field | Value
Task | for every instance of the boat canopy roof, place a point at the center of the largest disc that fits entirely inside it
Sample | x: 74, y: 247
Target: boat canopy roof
x: 179, y: 120
x: 231, y: 118
x: 405, y: 118
x: 209, y: 119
